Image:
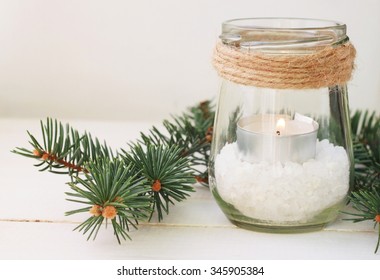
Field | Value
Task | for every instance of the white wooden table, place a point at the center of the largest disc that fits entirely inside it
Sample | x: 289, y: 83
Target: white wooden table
x: 33, y: 224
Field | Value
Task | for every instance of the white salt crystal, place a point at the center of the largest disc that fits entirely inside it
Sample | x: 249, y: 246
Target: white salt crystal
x: 289, y: 192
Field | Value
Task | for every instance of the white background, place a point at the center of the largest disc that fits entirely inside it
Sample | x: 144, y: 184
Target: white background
x: 143, y: 60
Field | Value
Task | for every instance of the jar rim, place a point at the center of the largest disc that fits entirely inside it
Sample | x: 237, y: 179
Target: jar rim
x: 282, y: 23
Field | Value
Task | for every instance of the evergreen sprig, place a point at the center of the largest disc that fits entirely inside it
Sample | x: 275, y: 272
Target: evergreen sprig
x: 113, y: 192
x: 365, y: 197
x: 63, y: 150
x: 167, y: 172
x: 192, y: 133
x: 125, y: 189
x: 366, y: 131
x: 367, y: 203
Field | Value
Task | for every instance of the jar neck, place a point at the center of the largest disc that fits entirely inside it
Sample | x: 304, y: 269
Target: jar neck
x: 282, y: 35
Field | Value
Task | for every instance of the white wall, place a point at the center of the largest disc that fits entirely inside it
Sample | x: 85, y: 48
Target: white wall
x: 145, y: 59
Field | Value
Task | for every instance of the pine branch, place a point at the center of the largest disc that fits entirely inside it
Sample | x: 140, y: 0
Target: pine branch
x: 166, y: 171
x: 366, y: 195
x: 95, y: 176
x: 63, y: 150
x: 192, y: 132
x: 366, y: 130
x: 113, y: 192
x: 367, y: 203
x: 366, y: 136
x: 229, y: 135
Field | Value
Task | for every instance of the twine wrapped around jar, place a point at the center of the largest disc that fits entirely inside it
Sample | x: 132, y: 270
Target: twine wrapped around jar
x: 325, y: 67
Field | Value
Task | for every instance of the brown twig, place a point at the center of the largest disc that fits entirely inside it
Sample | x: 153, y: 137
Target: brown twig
x: 47, y: 156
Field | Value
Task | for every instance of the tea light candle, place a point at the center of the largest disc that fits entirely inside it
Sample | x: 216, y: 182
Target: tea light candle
x: 274, y: 138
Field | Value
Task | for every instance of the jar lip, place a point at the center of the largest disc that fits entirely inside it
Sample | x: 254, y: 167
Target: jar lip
x: 282, y: 23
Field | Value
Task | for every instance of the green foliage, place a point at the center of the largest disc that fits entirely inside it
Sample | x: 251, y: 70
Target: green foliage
x: 366, y: 195
x: 63, y: 150
x: 366, y: 137
x: 123, y: 184
x: 111, y: 184
x: 167, y: 172
x: 230, y: 133
x: 192, y: 133
x: 367, y: 203
x: 366, y: 130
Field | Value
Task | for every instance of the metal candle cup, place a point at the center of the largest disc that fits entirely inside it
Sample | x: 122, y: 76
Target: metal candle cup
x: 277, y: 138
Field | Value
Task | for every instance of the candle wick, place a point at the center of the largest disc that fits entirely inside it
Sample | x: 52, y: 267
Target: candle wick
x: 278, y: 132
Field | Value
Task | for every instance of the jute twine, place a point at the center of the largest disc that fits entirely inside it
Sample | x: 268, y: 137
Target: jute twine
x: 325, y: 67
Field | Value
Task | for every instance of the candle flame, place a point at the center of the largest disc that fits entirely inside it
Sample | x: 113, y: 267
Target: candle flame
x: 280, y: 126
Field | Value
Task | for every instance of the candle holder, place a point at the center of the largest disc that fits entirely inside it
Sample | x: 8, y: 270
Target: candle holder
x: 289, y: 140
x: 281, y: 158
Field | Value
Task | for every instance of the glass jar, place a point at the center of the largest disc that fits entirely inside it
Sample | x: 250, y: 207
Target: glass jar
x: 281, y: 158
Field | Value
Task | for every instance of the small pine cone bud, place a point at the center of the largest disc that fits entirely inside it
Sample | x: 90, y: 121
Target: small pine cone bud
x: 109, y: 212
x: 156, y: 187
x: 203, y: 103
x: 377, y: 218
x: 209, y: 133
x: 37, y: 153
x: 201, y: 179
x: 96, y: 210
x: 45, y: 156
